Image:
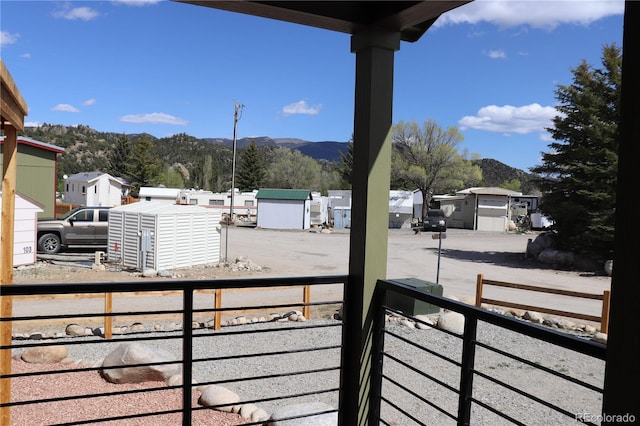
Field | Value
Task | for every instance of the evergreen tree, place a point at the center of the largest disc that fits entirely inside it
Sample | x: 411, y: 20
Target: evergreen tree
x: 251, y: 171
x: 346, y: 164
x: 119, y: 162
x: 578, y: 174
x: 145, y: 167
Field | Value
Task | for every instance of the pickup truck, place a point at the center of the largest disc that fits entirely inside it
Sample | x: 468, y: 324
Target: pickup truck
x: 82, y: 226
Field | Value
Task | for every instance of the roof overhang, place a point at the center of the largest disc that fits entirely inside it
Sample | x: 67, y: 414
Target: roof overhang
x: 13, y: 108
x: 411, y: 18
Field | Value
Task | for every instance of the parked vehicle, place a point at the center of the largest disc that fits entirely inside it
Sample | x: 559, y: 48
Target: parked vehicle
x: 82, y: 226
x: 435, y: 220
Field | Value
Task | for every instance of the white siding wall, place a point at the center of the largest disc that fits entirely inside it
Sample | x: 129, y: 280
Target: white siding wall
x: 283, y: 214
x: 24, y: 231
x: 493, y: 213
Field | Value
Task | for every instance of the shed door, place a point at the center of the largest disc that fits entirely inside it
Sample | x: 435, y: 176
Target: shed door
x: 281, y: 214
x: 492, y: 214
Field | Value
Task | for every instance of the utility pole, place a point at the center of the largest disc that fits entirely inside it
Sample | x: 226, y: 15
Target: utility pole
x: 236, y: 117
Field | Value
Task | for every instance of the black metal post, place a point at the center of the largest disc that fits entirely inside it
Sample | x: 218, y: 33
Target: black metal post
x: 187, y: 355
x: 466, y: 371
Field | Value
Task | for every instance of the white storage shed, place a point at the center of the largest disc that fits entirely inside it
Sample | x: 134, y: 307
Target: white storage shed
x: 25, y: 225
x: 284, y: 208
x: 161, y: 236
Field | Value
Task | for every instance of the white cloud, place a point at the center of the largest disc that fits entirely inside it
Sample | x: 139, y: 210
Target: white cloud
x: 154, y: 118
x: 76, y: 13
x: 509, y: 119
x: 89, y: 102
x: 26, y: 55
x: 65, y: 108
x: 301, y: 107
x: 7, y: 38
x: 32, y: 124
x: 496, y: 54
x: 546, y: 14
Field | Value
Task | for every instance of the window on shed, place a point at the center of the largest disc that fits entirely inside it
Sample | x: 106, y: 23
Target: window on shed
x: 248, y: 203
x: 216, y: 202
x: 84, y: 190
x: 193, y: 201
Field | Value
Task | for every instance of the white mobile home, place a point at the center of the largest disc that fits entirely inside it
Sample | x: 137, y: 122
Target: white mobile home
x: 400, y: 209
x: 244, y: 203
x: 163, y: 236
x: 481, y: 209
x: 166, y: 195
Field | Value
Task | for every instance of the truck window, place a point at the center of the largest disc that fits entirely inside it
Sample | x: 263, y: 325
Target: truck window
x: 84, y: 216
x: 103, y: 215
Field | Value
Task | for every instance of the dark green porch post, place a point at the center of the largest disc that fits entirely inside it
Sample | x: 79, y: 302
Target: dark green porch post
x: 369, y: 213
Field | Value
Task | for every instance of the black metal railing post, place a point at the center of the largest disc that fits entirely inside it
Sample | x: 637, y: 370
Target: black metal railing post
x: 378, y: 312
x: 187, y: 355
x: 466, y: 369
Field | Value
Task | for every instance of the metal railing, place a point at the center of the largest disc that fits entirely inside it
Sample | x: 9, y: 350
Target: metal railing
x: 424, y: 375
x: 302, y: 350
x: 493, y: 369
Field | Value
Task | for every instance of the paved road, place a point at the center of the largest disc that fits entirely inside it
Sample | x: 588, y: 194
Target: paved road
x: 461, y: 255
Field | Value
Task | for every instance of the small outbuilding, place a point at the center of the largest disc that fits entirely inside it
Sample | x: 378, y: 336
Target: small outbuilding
x: 25, y: 229
x: 284, y: 208
x: 161, y: 236
x: 36, y: 169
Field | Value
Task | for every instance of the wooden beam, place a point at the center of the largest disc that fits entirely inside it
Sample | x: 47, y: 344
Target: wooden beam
x: 12, y: 105
x: 10, y: 153
x: 12, y: 111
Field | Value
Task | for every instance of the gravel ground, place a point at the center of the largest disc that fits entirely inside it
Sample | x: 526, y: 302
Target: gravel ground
x: 290, y: 336
x: 498, y: 256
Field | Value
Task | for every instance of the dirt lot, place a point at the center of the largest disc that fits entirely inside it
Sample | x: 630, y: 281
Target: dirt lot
x: 463, y: 255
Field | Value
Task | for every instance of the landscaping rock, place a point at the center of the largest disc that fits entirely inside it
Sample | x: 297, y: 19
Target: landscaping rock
x: 137, y: 353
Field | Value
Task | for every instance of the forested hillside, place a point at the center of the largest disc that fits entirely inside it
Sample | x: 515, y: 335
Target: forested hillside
x: 207, y: 163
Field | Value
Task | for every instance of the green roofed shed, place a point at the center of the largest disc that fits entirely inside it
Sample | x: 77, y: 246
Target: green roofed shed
x: 284, y: 208
x: 284, y: 194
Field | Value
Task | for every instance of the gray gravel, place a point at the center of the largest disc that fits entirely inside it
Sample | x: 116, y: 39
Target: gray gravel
x: 296, y: 335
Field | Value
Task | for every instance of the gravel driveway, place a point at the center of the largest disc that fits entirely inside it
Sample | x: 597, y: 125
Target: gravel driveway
x: 463, y: 254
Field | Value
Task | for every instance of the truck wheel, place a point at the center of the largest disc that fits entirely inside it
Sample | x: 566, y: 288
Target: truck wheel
x: 49, y: 243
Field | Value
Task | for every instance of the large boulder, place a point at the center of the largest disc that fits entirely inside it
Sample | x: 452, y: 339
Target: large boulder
x: 136, y: 353
x: 544, y: 241
x: 452, y: 322
x: 219, y: 398
x: 44, y: 354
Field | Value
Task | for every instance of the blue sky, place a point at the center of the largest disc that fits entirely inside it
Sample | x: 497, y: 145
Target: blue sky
x: 130, y: 66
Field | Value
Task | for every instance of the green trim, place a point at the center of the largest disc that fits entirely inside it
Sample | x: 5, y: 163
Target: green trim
x: 283, y: 194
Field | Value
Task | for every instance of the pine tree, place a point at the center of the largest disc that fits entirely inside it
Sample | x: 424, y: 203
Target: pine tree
x: 251, y: 171
x: 578, y: 174
x: 120, y: 158
x: 346, y: 163
x: 145, y: 167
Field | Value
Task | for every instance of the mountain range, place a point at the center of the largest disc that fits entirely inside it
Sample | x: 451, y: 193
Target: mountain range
x: 325, y: 150
x: 87, y: 149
